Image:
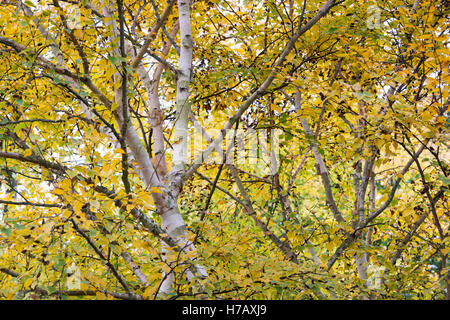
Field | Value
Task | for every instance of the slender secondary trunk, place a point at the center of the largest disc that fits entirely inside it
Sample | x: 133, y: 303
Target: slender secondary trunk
x: 320, y: 164
x: 361, y: 179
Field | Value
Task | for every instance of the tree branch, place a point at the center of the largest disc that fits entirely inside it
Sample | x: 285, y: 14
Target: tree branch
x: 33, y: 204
x: 33, y: 159
x: 261, y: 90
x: 250, y: 211
x: 151, y: 36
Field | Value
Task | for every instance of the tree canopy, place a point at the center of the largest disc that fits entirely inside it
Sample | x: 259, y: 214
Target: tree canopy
x: 222, y: 149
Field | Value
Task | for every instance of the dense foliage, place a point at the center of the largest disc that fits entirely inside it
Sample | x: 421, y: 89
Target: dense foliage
x: 334, y: 179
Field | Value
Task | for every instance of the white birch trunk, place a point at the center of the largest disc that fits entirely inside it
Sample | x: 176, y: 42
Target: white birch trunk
x: 171, y: 220
x: 184, y: 78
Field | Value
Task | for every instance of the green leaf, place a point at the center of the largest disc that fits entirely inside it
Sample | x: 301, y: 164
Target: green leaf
x: 29, y: 3
x: 113, y: 59
x: 59, y: 262
x: 6, y: 231
x: 19, y: 101
x: 444, y: 179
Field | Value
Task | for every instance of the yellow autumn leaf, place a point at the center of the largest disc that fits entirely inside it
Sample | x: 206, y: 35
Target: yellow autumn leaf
x: 46, y: 228
x: 78, y: 33
x: 58, y: 191
x: 28, y: 152
x: 28, y: 282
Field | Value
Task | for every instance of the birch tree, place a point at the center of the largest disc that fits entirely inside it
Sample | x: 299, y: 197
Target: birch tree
x: 223, y: 149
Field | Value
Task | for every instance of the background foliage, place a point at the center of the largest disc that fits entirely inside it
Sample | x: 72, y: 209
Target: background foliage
x: 370, y: 80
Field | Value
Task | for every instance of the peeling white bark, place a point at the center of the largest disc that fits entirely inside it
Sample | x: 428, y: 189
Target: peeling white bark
x: 184, y: 78
x: 155, y: 114
x: 171, y: 220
